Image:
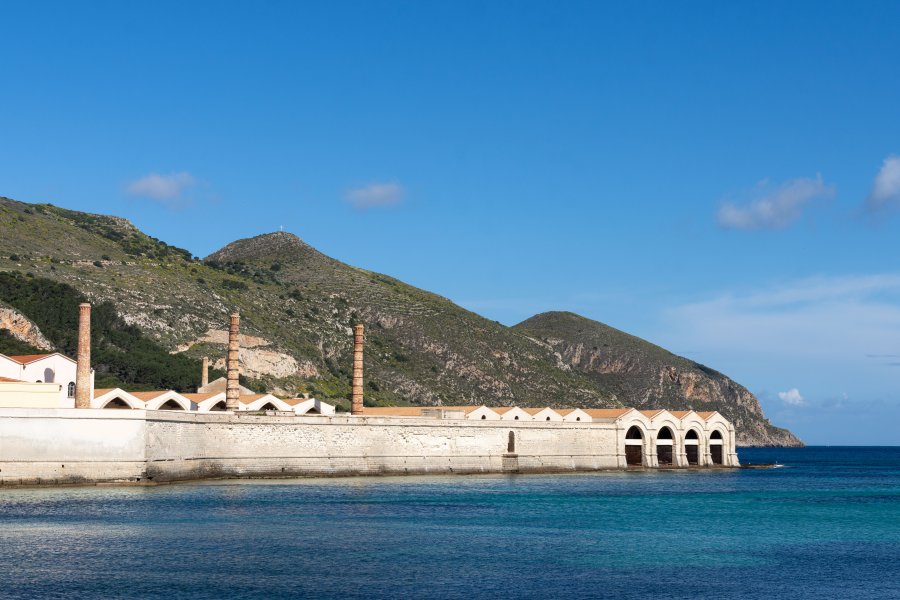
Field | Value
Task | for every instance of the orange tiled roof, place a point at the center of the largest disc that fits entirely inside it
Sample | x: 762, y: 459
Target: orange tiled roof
x: 24, y: 359
x: 680, y: 414
x: 248, y: 398
x: 197, y: 398
x: 651, y: 413
x: 102, y: 391
x: 607, y: 413
x: 706, y: 415
x: 145, y: 396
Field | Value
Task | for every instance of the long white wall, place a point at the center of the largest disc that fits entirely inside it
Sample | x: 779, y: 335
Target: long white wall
x: 93, y: 445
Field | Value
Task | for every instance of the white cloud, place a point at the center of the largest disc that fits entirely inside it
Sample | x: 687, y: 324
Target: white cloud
x: 771, y: 207
x: 376, y: 195
x: 853, y: 316
x: 820, y: 334
x: 166, y: 189
x: 792, y: 397
x: 885, y: 192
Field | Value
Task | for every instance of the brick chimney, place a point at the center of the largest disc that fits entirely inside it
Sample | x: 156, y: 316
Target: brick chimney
x: 233, y: 386
x: 356, y: 404
x: 204, y: 374
x: 83, y: 369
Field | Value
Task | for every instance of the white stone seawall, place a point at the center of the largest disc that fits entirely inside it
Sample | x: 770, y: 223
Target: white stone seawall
x: 68, y: 446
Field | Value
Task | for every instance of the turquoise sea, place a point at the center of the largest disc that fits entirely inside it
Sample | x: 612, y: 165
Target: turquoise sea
x: 827, y: 525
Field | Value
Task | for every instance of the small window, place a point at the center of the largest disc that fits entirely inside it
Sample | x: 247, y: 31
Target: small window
x: 483, y: 417
x: 548, y: 418
x: 71, y: 389
x: 517, y: 418
x: 577, y: 418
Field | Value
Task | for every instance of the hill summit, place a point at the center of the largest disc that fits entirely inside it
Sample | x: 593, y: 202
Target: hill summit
x: 298, y: 307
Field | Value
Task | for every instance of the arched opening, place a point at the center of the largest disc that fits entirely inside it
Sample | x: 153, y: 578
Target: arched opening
x: 218, y: 406
x: 665, y: 444
x: 483, y: 417
x: 692, y: 447
x: 634, y: 446
x: 716, y: 448
x: 49, y: 375
x: 516, y: 418
x: 577, y: 418
x: 548, y: 418
x: 170, y: 405
x: 116, y: 403
x: 511, y: 444
x: 268, y: 406
x: 70, y: 389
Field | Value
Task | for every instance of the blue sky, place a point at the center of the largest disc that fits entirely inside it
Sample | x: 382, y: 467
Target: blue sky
x: 719, y: 178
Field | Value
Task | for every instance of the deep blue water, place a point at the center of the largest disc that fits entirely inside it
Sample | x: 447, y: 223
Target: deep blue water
x: 827, y: 525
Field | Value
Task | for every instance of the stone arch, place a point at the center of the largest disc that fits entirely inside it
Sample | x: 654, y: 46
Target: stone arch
x: 634, y: 446
x: 117, y: 403
x: 717, y: 447
x: 665, y: 447
x: 692, y: 447
x: 268, y: 406
x: 171, y: 404
x: 218, y: 406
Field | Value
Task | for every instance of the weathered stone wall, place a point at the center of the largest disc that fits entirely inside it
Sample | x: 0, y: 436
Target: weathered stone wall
x: 93, y: 445
x: 71, y: 445
x: 243, y: 445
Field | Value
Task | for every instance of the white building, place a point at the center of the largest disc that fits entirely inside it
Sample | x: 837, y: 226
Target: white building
x: 44, y: 368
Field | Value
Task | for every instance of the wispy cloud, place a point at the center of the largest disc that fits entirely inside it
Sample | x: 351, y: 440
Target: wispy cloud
x: 845, y: 319
x: 376, y: 195
x: 885, y: 194
x: 168, y: 189
x: 769, y: 206
x: 792, y: 397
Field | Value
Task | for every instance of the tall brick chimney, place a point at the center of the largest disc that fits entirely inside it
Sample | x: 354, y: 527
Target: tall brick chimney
x: 233, y: 386
x: 83, y: 369
x: 204, y: 374
x: 356, y: 404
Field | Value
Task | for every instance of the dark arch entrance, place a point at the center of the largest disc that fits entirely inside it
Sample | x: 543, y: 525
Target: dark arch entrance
x: 634, y: 446
x: 665, y: 444
x: 218, y: 406
x: 171, y: 405
x: 692, y: 447
x: 716, y: 446
x: 268, y: 406
x: 116, y: 403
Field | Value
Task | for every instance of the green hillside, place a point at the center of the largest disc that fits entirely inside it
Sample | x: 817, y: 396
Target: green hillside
x: 298, y: 307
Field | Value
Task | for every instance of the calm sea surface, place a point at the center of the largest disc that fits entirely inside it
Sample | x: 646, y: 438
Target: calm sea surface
x: 827, y: 525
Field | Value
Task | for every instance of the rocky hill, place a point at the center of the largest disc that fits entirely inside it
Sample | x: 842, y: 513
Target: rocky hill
x: 625, y: 366
x: 298, y: 306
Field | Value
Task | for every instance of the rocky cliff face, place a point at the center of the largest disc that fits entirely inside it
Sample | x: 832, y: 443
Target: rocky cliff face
x: 21, y: 328
x: 298, y: 307
x: 650, y: 376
